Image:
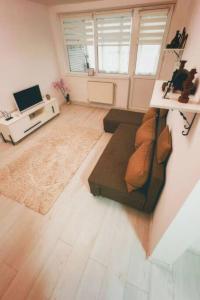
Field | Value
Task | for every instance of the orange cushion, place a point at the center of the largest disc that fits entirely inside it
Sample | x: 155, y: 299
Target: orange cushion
x: 164, y: 145
x: 138, y: 167
x: 146, y: 132
x: 151, y: 113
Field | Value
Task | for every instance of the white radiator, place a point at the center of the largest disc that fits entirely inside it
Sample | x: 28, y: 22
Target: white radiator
x: 101, y: 92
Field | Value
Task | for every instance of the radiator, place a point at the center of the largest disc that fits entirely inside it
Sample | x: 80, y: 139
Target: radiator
x: 101, y: 92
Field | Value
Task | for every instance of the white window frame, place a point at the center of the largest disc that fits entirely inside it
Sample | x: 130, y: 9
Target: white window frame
x: 136, y: 23
x: 133, y: 42
x: 66, y: 57
x: 104, y: 13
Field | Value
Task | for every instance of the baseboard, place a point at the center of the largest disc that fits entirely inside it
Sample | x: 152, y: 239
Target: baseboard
x: 89, y: 104
x: 138, y: 109
x: 98, y: 105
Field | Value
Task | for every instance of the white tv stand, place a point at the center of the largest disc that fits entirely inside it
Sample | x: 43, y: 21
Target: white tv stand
x: 26, y: 122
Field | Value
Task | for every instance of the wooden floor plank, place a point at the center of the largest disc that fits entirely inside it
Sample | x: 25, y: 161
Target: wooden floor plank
x: 133, y: 293
x: 139, y: 267
x: 187, y: 277
x: 103, y: 244
x: 91, y: 281
x: 46, y: 282
x: 7, y: 274
x: 122, y: 245
x: 13, y: 214
x: 18, y: 242
x: 112, y: 287
x: 161, y: 284
x: 76, y: 264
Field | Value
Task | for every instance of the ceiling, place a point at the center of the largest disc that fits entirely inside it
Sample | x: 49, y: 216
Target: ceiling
x: 56, y: 2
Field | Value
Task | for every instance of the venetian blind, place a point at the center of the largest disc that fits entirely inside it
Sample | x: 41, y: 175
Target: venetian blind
x: 114, y: 29
x: 152, y: 27
x: 78, y: 40
x: 113, y: 41
x: 150, y: 37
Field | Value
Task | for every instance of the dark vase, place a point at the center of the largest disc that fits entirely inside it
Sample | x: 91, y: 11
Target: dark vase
x: 179, y: 76
x: 67, y: 98
x: 175, y: 43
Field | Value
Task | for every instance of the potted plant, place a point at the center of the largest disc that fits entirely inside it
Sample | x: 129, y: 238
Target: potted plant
x: 61, y: 86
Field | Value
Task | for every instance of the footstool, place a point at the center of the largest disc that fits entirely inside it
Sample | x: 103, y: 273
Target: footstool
x: 115, y: 117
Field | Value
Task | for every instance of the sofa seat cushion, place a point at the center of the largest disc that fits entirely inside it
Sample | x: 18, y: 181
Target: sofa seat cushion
x: 107, y: 178
x: 115, y: 117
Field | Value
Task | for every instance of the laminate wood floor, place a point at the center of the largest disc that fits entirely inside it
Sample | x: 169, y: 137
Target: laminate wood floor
x: 86, y: 247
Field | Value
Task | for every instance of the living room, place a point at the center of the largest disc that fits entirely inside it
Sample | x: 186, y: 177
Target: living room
x: 98, y: 149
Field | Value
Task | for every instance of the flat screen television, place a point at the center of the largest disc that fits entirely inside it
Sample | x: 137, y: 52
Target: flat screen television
x: 27, y: 98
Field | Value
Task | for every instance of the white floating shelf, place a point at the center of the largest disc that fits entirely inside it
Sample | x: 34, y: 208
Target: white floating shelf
x: 173, y: 49
x: 178, y: 52
x: 158, y: 101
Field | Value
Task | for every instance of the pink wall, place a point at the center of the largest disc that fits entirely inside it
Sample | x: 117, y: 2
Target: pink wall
x: 178, y: 21
x: 99, y: 5
x: 183, y: 169
x: 27, y: 54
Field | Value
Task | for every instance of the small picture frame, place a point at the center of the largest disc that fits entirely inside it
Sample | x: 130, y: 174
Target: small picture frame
x: 91, y: 72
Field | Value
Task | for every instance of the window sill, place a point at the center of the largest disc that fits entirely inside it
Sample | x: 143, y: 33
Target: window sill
x: 151, y: 77
x: 98, y: 75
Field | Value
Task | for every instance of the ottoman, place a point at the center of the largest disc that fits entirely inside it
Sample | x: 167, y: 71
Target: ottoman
x: 115, y: 117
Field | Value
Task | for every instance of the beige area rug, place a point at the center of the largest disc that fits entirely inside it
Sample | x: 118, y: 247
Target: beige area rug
x: 40, y: 174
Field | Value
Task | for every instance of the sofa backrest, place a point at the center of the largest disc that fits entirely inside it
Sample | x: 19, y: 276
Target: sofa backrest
x: 157, y: 175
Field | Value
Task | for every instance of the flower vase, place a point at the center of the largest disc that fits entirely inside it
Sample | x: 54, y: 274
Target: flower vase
x: 67, y: 98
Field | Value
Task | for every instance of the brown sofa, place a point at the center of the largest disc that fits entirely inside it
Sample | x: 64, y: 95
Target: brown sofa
x: 107, y: 178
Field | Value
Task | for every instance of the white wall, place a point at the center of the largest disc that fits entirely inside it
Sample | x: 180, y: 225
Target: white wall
x: 27, y: 54
x: 183, y: 170
x: 79, y: 93
x: 78, y: 85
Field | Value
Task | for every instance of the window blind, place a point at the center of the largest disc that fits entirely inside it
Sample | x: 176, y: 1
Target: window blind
x: 150, y: 37
x: 114, y: 29
x: 78, y: 31
x: 113, y: 41
x: 152, y: 27
x: 79, y: 41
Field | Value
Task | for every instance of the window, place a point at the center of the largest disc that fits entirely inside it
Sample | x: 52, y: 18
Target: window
x: 79, y: 43
x: 103, y: 40
x: 113, y: 39
x: 151, y: 32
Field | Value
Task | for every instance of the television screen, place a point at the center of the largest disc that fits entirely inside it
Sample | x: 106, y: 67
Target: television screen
x: 28, y: 97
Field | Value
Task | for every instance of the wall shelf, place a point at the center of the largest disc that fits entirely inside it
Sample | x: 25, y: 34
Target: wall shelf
x: 158, y: 101
x: 177, y: 52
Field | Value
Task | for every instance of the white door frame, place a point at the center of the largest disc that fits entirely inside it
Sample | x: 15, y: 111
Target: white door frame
x: 134, y: 48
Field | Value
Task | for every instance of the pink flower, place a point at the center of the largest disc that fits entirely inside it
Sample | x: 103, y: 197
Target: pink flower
x: 60, y: 85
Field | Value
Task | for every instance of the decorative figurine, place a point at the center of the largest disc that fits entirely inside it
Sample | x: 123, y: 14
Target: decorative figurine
x: 176, y: 41
x: 183, y: 39
x: 188, y: 85
x: 179, y: 77
x: 179, y: 40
